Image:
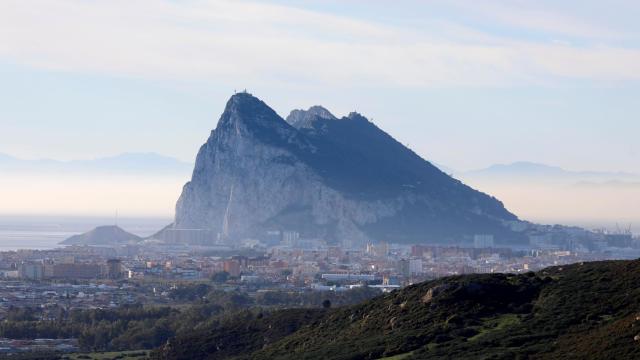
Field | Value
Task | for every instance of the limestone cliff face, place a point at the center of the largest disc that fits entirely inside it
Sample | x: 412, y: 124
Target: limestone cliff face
x: 343, y: 180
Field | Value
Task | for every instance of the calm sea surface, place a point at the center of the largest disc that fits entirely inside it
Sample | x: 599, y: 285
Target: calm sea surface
x: 45, y: 232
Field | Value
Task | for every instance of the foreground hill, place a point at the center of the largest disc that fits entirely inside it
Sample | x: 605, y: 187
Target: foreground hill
x: 336, y: 179
x: 579, y: 311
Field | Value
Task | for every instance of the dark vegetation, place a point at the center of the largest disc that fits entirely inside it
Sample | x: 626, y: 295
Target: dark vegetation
x: 137, y: 327
x: 242, y: 333
x: 582, y: 311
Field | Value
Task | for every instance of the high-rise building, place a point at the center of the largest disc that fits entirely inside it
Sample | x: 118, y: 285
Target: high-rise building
x: 409, y: 267
x: 483, y: 241
x: 76, y: 271
x: 290, y: 238
x: 114, y: 269
x: 31, y: 271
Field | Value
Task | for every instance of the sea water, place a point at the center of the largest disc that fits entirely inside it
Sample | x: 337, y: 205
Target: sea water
x: 46, y: 232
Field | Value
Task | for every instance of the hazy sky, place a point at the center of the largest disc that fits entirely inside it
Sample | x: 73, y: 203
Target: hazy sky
x: 464, y: 83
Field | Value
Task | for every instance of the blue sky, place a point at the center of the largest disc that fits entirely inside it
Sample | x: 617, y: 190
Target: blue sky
x: 463, y: 83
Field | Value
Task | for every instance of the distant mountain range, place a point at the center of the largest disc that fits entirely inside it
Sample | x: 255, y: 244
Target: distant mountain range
x: 610, y: 184
x: 126, y: 163
x: 152, y: 163
x: 535, y: 172
x: 535, y: 191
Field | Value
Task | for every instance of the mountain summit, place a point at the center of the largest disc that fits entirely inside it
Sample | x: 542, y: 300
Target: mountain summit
x: 306, y: 118
x: 342, y: 180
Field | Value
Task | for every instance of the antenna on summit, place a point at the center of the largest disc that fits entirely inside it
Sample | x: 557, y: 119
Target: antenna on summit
x: 116, y: 219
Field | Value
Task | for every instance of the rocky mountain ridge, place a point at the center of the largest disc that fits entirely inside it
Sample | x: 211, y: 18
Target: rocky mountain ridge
x: 342, y: 180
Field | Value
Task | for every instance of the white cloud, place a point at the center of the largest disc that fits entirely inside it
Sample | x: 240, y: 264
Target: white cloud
x: 247, y: 42
x: 544, y: 16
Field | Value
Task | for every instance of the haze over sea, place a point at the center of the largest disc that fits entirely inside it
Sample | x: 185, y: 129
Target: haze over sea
x: 40, y: 232
x: 45, y: 232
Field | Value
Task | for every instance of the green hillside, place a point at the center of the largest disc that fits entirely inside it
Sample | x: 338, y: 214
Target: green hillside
x: 580, y: 311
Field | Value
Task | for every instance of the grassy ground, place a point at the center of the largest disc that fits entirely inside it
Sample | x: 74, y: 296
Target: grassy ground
x: 124, y: 355
x: 494, y: 325
x: 398, y: 357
